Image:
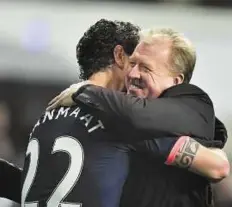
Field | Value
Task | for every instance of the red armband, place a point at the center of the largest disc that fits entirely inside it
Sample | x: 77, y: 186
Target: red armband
x: 178, y: 145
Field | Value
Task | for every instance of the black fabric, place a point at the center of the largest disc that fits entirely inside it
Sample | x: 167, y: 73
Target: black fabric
x: 152, y: 185
x: 181, y: 110
x: 220, y: 133
x: 188, y: 95
x: 68, y: 147
x: 10, y: 181
x: 220, y: 137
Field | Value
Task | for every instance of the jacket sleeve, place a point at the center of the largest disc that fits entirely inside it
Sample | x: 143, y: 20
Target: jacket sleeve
x: 154, y: 118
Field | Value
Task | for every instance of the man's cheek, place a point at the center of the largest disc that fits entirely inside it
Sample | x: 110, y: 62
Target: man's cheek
x: 152, y: 89
x: 126, y: 82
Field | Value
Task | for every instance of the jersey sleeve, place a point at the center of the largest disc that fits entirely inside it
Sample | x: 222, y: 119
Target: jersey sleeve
x: 161, y: 148
x: 156, y: 148
x: 167, y: 116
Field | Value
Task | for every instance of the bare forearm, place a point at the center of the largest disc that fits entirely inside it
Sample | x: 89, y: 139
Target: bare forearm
x: 189, y: 154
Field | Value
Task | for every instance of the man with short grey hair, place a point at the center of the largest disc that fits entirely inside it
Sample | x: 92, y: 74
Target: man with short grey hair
x: 155, y: 72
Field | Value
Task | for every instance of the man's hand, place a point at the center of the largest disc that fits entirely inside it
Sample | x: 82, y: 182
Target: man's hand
x: 65, y: 97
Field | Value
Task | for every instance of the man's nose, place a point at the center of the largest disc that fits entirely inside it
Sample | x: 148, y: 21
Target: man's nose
x: 134, y: 72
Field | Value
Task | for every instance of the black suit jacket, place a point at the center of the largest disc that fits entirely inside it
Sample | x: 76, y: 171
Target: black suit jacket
x: 184, y: 109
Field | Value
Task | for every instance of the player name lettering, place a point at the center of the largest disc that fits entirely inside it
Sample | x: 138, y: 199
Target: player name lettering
x: 89, y: 121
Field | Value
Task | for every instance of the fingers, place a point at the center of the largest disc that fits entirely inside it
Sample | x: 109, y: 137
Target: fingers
x: 64, y: 98
x: 77, y: 86
x: 57, y: 98
x: 54, y: 100
x: 53, y: 106
x: 54, y: 103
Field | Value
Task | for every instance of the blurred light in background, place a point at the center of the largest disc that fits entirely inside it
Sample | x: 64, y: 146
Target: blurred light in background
x: 36, y: 36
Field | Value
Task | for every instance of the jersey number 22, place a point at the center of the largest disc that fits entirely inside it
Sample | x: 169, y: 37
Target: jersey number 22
x: 65, y: 144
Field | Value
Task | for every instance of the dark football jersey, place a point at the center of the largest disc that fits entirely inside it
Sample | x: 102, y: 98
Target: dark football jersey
x: 69, y: 163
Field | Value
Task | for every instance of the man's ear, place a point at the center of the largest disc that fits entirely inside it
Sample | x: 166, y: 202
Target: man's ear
x: 119, y: 56
x: 179, y: 79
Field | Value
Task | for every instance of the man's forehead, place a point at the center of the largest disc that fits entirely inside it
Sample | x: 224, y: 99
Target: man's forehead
x: 155, y: 48
x: 144, y: 48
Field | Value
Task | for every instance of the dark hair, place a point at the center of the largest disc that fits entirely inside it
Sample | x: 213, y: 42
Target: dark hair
x: 94, y: 51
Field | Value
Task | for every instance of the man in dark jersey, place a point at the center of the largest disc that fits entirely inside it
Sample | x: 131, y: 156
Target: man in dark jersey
x: 69, y: 161
x: 118, y: 105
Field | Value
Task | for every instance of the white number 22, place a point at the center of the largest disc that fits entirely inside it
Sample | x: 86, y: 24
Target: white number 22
x: 65, y: 144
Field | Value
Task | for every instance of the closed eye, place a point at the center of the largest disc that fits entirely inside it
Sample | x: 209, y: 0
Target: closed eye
x: 146, y: 69
x: 132, y: 64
